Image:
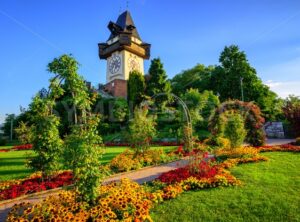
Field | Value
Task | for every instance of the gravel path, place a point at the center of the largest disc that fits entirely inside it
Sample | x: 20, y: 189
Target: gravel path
x: 140, y: 176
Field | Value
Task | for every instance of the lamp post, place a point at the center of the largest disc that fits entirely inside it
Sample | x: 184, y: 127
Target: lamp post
x: 242, y: 91
x: 11, y: 128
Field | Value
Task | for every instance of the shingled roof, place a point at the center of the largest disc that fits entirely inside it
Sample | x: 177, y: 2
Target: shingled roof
x: 124, y: 24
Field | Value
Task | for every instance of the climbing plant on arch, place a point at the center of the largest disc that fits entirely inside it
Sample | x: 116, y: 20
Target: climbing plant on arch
x: 253, y: 120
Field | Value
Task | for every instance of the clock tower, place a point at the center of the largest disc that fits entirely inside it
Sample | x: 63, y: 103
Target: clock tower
x: 124, y: 52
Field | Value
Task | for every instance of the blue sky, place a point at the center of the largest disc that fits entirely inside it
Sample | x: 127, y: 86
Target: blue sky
x: 182, y: 33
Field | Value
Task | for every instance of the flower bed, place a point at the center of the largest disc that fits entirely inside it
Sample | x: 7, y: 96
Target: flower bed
x: 18, y: 147
x: 23, y: 147
x: 118, y: 201
x: 127, y: 160
x: 33, y: 185
x: 152, y: 143
x: 4, y: 150
x: 121, y: 201
x: 229, y: 163
x: 180, y: 151
x: 282, y: 148
x: 200, y: 166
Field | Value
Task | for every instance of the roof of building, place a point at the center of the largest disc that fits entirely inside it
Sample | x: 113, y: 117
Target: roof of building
x: 124, y: 24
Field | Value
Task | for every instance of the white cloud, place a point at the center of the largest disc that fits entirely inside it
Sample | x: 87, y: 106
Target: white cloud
x: 283, y: 89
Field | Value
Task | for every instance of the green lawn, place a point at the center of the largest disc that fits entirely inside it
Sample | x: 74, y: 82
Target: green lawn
x: 6, y: 147
x: 12, y: 164
x: 270, y: 192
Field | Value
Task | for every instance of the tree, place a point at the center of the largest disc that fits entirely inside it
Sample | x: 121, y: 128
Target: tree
x: 82, y: 152
x: 10, y: 124
x: 141, y: 130
x: 24, y: 133
x: 197, y: 77
x: 136, y: 88
x: 235, y: 75
x: 45, y: 137
x: 114, y: 114
x: 210, y: 103
x: 158, y: 85
x: 120, y: 110
x: 193, y: 99
x: 201, y: 106
x: 291, y: 110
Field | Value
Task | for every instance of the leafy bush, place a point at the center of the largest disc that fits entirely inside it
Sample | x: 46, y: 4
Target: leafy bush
x: 45, y: 137
x: 82, y: 155
x: 141, y: 131
x: 3, y: 141
x: 234, y: 129
x: 136, y: 88
x: 24, y: 133
x: 188, y: 138
x: 203, y: 134
x: 218, y: 142
x: 253, y: 120
x: 124, y: 162
x: 291, y: 110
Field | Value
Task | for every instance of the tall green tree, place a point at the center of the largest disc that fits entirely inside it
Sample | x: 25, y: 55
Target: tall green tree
x: 10, y: 123
x: 235, y: 78
x: 82, y: 152
x: 193, y: 99
x: 45, y: 137
x: 158, y: 85
x: 136, y: 88
x: 15, y: 120
x: 201, y: 106
x: 197, y: 77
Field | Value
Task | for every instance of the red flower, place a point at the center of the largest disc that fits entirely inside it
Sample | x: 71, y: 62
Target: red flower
x: 23, y: 147
x: 34, y: 185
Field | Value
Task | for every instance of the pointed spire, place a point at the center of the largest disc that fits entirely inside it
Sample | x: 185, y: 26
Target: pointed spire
x: 126, y: 24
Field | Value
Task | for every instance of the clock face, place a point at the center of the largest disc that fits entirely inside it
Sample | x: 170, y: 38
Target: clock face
x: 114, y: 64
x: 133, y: 64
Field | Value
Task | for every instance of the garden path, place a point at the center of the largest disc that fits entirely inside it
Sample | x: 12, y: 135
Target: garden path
x: 140, y: 176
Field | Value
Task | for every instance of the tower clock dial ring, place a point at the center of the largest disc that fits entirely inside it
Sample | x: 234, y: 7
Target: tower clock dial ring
x: 133, y: 64
x: 114, y: 64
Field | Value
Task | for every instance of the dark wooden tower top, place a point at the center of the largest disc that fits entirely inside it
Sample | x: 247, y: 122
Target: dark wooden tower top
x: 124, y: 36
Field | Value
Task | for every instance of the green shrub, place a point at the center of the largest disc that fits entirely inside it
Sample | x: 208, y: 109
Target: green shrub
x: 45, y: 137
x: 203, y: 134
x: 235, y: 129
x: 82, y: 155
x: 218, y: 142
x: 136, y: 88
x: 252, y: 116
x: 3, y: 141
x: 141, y: 131
x: 24, y: 133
